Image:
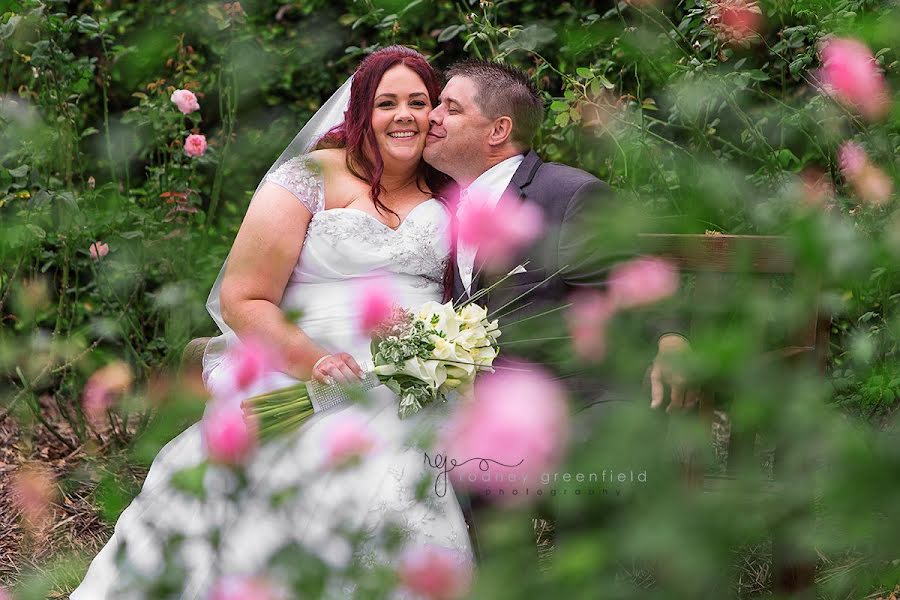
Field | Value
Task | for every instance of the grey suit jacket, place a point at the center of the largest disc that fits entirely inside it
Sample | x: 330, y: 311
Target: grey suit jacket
x: 567, y: 197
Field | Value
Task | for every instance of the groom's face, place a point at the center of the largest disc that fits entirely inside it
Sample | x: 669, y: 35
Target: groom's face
x: 459, y: 131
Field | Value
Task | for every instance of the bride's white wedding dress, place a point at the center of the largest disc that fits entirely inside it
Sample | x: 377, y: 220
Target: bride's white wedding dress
x: 342, y: 247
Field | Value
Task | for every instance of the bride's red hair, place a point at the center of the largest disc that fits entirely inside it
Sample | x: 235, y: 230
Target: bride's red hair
x: 355, y: 133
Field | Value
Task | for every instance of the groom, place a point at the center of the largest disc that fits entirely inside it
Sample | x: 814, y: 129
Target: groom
x: 481, y: 135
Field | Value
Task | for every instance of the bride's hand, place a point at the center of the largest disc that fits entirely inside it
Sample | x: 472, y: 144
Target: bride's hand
x: 337, y: 368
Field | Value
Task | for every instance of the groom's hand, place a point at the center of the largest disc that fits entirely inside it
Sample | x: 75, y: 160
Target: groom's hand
x: 664, y: 374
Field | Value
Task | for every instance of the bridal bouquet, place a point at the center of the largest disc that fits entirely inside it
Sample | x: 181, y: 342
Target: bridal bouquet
x: 420, y: 356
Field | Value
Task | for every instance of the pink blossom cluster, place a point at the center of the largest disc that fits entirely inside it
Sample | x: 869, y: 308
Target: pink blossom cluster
x: 195, y: 144
x: 498, y: 231
x: 435, y: 572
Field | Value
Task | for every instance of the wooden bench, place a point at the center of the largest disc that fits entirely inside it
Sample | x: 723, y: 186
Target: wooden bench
x: 711, y: 259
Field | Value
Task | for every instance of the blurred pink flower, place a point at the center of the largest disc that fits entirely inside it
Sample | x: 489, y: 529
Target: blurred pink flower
x: 587, y: 319
x: 734, y: 21
x: 195, y: 145
x: 874, y: 185
x: 249, y: 361
x: 642, y: 281
x: 185, y: 100
x: 500, y: 231
x: 852, y: 159
x: 33, y: 489
x: 850, y: 74
x: 241, y: 587
x: 516, y: 417
x: 99, y: 250
x: 229, y: 436
x: 435, y: 572
x: 104, y: 387
x: 816, y: 187
x: 349, y: 439
x: 375, y: 304
x: 4, y: 595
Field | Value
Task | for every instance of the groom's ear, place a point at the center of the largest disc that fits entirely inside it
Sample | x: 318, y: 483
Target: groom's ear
x: 501, y: 132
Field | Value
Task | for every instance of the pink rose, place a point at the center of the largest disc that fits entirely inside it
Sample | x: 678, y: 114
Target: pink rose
x: 349, y: 439
x: 850, y: 74
x: 375, y: 304
x: 498, y: 232
x: 642, y: 281
x: 241, y: 587
x: 185, y: 100
x: 587, y: 319
x: 98, y: 250
x: 195, y: 145
x: 229, y: 437
x: 434, y: 572
x: 104, y: 387
x: 518, y: 418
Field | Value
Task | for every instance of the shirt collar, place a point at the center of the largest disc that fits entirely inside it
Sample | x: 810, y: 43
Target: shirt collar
x: 491, y: 184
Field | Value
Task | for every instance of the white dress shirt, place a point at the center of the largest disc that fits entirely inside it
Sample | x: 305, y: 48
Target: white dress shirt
x: 488, y: 188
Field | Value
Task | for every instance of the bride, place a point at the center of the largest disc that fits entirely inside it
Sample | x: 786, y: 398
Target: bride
x: 322, y: 222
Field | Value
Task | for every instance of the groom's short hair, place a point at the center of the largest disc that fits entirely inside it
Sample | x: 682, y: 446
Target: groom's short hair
x: 503, y: 90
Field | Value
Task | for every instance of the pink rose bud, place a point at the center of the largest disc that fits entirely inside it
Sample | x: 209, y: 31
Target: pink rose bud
x: 642, y: 281
x: 518, y: 423
x: 497, y: 232
x: 850, y: 74
x: 349, y: 440
x: 229, y: 437
x: 195, y: 145
x: 375, y: 304
x: 98, y: 250
x: 587, y: 319
x: 104, y: 387
x: 435, y: 573
x: 852, y: 159
x: 185, y: 100
x: 32, y: 492
x: 240, y: 587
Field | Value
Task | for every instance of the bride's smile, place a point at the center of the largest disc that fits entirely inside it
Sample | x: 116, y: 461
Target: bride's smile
x: 400, y: 115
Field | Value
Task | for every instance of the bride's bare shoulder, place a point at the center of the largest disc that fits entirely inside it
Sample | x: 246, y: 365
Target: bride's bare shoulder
x: 330, y: 160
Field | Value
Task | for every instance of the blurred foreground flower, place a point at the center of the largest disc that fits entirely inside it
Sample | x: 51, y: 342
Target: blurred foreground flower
x: 871, y: 183
x: 195, y: 145
x: 185, y: 100
x: 104, y: 387
x: 850, y: 74
x: 518, y: 417
x: 248, y: 361
x: 435, y: 572
x: 497, y: 232
x: 734, y: 21
x: 99, y: 250
x: 228, y: 435
x: 234, y: 587
x: 587, y: 319
x: 33, y: 489
x: 349, y: 439
x: 816, y: 189
x: 375, y: 305
x: 642, y: 281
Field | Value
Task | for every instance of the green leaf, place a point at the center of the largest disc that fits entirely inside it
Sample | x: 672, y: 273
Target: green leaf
x: 36, y: 231
x: 20, y: 171
x: 562, y: 119
x: 450, y: 32
x: 558, y: 106
x: 584, y: 72
x: 89, y: 131
x: 190, y: 480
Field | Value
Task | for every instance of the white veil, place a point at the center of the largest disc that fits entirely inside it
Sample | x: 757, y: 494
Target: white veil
x: 330, y: 115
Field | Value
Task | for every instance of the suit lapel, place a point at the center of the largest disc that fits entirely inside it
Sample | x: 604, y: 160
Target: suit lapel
x: 515, y: 192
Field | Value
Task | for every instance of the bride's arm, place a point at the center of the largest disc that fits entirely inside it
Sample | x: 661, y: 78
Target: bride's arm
x: 264, y: 254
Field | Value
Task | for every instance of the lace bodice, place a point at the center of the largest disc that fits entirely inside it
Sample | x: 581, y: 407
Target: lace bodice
x: 358, y: 241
